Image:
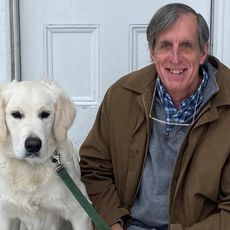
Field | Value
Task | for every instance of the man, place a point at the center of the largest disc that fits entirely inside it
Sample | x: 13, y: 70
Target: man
x: 158, y: 155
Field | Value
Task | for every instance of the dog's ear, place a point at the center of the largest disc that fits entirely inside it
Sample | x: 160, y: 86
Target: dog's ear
x: 64, y: 117
x: 3, y: 128
x: 64, y: 112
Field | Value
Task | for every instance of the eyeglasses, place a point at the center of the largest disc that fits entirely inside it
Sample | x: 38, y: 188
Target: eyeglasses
x: 174, y: 123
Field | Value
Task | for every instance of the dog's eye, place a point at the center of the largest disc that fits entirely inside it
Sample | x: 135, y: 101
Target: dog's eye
x: 17, y: 115
x: 44, y: 114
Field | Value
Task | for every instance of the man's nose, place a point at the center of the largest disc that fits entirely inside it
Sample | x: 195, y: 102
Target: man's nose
x: 176, y: 55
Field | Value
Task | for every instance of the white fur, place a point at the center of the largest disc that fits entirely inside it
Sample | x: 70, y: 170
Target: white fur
x: 30, y: 190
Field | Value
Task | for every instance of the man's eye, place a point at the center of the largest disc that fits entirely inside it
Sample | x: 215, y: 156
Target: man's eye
x: 186, y: 45
x: 165, y: 45
x: 17, y: 115
x: 44, y: 114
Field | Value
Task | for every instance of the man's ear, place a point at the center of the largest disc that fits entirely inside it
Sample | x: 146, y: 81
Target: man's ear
x: 151, y: 53
x: 3, y: 128
x: 64, y: 117
x: 204, y: 53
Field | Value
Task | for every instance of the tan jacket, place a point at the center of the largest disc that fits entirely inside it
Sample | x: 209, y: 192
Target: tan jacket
x: 113, y: 155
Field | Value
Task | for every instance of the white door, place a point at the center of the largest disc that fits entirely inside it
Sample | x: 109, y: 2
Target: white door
x: 85, y: 45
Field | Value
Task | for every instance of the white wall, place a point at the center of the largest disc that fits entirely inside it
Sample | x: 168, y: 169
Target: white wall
x: 5, y: 73
x: 221, y: 35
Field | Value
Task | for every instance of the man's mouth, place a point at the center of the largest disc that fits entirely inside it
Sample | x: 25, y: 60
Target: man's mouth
x: 175, y: 71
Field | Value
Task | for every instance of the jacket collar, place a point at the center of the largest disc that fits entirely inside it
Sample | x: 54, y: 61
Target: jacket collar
x: 142, y: 80
x: 222, y: 98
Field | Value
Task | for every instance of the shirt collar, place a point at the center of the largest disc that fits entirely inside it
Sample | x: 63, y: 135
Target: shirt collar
x: 188, y: 106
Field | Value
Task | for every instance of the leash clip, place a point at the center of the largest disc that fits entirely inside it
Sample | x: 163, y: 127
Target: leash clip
x: 56, y: 158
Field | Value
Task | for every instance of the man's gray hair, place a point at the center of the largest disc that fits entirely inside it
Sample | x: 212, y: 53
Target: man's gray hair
x: 167, y: 15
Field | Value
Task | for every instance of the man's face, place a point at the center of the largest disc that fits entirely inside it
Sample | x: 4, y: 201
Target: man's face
x: 177, y: 56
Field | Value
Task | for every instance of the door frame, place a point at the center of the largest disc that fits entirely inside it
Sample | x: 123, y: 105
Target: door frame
x: 15, y: 52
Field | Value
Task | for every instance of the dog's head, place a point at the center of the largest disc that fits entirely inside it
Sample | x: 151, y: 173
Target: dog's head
x: 34, y: 118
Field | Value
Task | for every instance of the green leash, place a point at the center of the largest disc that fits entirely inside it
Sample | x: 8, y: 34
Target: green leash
x: 68, y: 181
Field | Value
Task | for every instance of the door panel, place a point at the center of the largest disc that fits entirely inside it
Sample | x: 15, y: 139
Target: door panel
x: 86, y: 45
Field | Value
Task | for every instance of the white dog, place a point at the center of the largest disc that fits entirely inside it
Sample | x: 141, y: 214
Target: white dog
x: 34, y: 120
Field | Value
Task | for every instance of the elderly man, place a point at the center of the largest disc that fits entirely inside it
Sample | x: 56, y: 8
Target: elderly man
x: 158, y: 155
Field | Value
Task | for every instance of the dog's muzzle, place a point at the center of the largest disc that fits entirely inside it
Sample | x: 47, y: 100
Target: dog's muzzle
x: 33, y: 146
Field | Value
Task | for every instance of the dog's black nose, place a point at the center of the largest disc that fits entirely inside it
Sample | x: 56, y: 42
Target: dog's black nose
x: 33, y: 144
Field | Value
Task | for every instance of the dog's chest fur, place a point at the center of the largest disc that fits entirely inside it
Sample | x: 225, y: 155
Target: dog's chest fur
x: 33, y: 188
x: 28, y: 188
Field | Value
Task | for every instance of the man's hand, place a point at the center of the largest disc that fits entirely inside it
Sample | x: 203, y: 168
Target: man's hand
x: 116, y: 227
